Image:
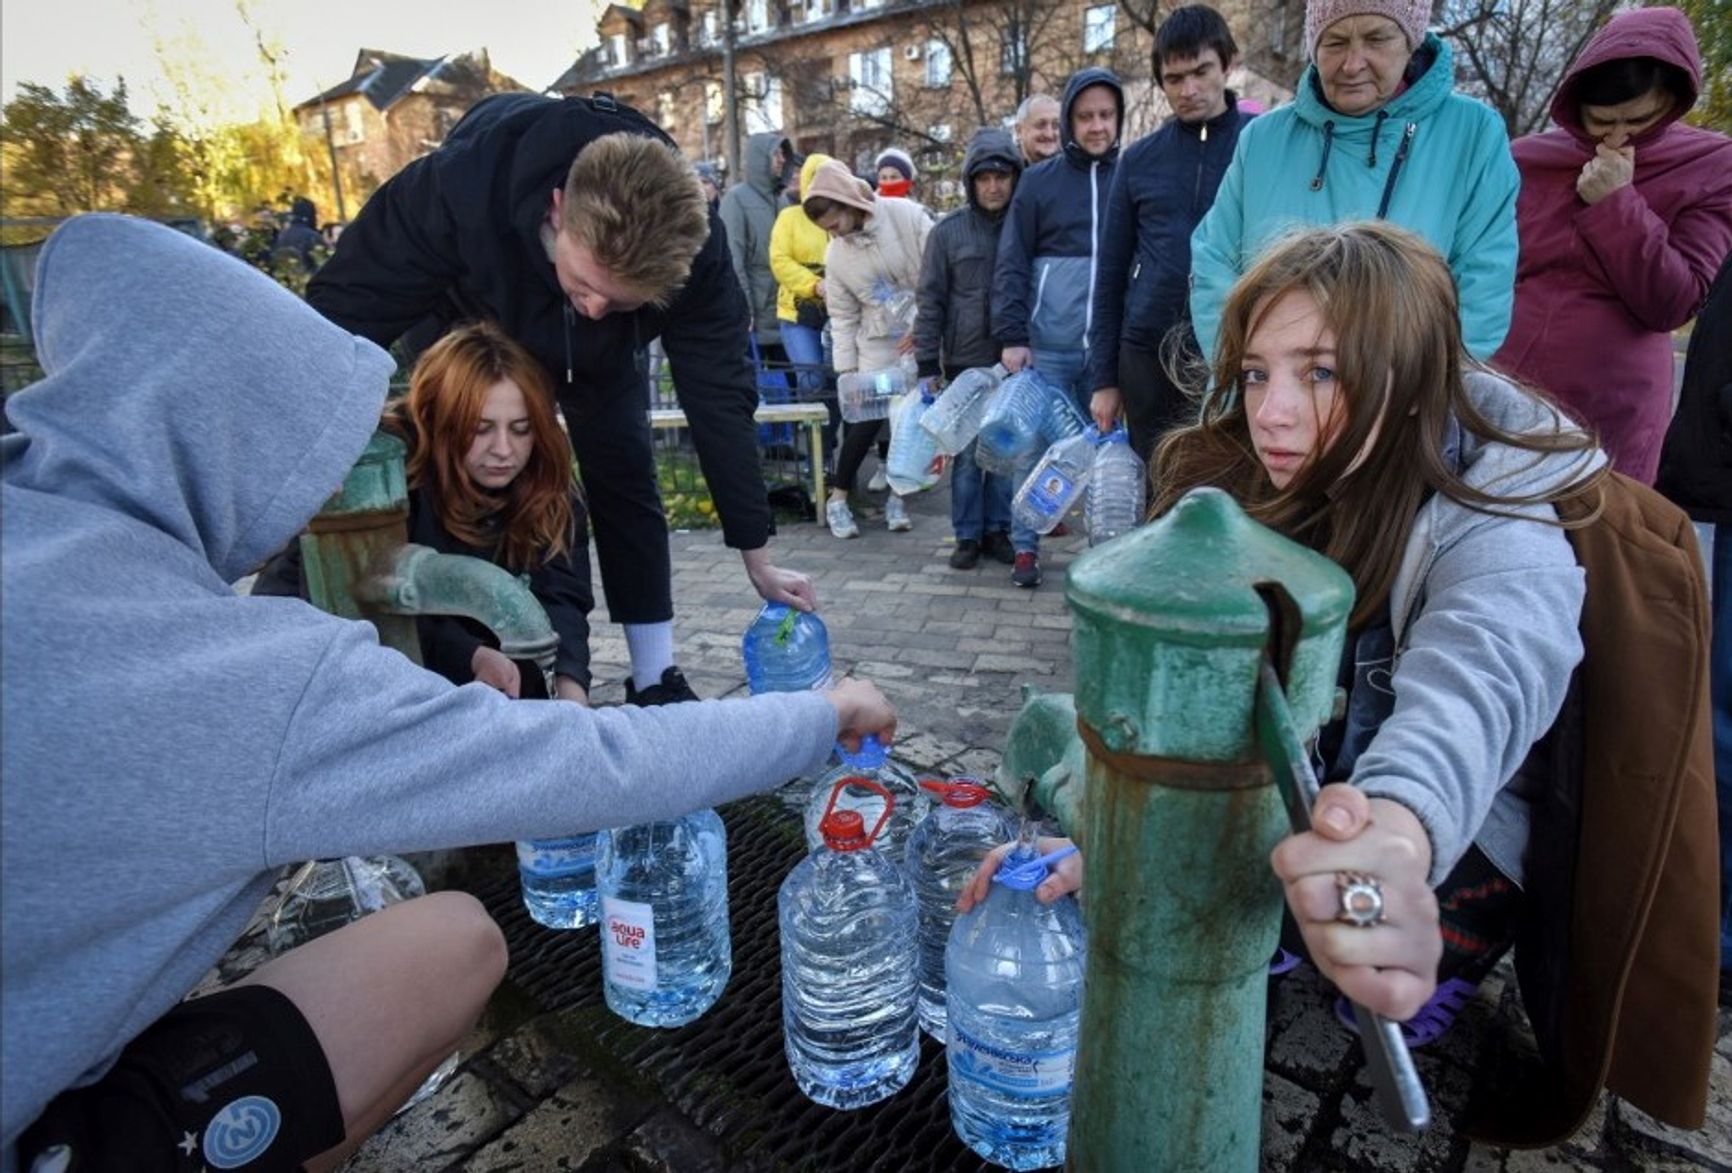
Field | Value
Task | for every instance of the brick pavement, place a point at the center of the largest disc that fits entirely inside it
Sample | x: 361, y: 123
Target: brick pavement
x: 953, y: 650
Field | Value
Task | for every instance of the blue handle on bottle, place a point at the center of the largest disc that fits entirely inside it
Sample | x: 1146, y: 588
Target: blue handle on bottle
x: 869, y: 756
x: 1028, y: 874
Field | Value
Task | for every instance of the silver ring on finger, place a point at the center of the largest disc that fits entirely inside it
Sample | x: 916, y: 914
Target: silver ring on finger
x: 1361, y: 899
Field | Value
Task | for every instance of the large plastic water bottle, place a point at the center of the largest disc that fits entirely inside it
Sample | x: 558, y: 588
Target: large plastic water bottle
x: 847, y: 918
x: 666, y: 952
x: 786, y: 650
x: 1063, y: 419
x: 867, y: 395
x: 1056, y: 483
x: 1011, y: 429
x: 955, y: 419
x: 913, y: 451
x: 325, y: 894
x: 943, y: 852
x: 1014, y: 971
x: 869, y: 772
x: 1115, y: 492
x: 558, y: 878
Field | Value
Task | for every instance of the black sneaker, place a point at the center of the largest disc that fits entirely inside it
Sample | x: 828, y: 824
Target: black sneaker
x: 1027, y: 572
x: 672, y: 690
x: 966, y: 556
x: 997, y: 547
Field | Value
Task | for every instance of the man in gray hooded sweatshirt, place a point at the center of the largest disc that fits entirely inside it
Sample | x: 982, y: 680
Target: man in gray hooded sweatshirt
x: 170, y: 746
x: 749, y: 213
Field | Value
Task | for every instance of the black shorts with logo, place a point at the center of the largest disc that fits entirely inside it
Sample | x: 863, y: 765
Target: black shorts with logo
x: 235, y: 1080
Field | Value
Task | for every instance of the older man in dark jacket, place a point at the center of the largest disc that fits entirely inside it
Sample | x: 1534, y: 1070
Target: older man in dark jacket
x: 1161, y: 189
x: 478, y: 229
x: 953, y: 331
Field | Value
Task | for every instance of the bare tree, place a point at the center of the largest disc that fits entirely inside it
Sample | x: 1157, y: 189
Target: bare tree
x: 1513, y: 53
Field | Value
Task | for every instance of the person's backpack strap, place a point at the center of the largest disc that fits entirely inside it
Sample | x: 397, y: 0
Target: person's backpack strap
x: 1637, y: 1011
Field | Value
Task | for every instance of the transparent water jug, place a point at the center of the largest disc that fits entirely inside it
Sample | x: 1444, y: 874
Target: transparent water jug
x: 1116, y: 489
x: 943, y: 852
x: 847, y: 919
x: 955, y: 419
x: 1056, y: 484
x: 868, y: 395
x: 665, y: 945
x: 913, y: 451
x: 1014, y: 971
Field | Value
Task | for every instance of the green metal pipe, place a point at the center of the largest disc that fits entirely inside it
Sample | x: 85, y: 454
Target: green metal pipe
x: 420, y: 581
x: 1182, y: 910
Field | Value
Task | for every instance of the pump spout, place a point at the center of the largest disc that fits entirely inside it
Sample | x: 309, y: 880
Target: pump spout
x: 417, y: 580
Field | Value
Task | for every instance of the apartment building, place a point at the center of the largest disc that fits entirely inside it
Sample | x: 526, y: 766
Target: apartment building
x: 850, y: 77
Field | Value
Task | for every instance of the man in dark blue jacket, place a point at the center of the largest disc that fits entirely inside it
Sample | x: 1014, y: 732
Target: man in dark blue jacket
x: 1043, y: 283
x: 575, y: 226
x: 953, y: 330
x: 1162, y: 187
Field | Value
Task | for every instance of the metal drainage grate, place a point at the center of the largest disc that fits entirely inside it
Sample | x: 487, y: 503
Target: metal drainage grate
x: 727, y: 1071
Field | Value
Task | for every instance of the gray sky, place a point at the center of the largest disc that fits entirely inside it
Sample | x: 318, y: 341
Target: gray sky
x: 45, y: 40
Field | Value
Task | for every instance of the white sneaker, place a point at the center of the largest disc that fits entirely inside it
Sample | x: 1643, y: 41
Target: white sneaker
x: 841, y: 520
x: 879, y: 482
x: 896, y: 515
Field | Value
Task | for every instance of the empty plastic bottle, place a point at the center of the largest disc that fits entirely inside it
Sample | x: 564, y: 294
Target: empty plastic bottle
x: 558, y: 878
x: 1011, y: 430
x: 786, y: 650
x: 1056, y: 483
x: 665, y: 947
x: 913, y: 451
x: 943, y: 852
x: 326, y: 894
x: 847, y: 918
x: 1115, y: 492
x: 955, y: 419
x: 1014, y: 971
x: 869, y: 764
x: 867, y: 395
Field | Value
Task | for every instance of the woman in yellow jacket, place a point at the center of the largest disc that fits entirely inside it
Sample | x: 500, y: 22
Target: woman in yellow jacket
x: 797, y: 259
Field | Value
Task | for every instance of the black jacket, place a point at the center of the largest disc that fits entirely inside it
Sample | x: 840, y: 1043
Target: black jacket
x: 1696, y: 462
x: 448, y: 642
x: 457, y: 234
x: 953, y: 329
x: 1162, y: 187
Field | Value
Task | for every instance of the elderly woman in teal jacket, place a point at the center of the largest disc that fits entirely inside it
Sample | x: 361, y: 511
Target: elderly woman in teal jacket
x: 1375, y: 131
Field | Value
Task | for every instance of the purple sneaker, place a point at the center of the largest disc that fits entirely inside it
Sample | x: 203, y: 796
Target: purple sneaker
x: 1433, y: 1019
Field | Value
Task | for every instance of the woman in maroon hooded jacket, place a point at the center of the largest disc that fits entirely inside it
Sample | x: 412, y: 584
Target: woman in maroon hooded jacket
x: 1625, y: 215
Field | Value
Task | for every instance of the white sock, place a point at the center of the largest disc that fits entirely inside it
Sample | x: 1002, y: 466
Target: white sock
x: 651, y: 646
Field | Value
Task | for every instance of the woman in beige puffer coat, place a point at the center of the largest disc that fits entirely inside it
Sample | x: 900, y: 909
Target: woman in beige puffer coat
x: 876, y: 245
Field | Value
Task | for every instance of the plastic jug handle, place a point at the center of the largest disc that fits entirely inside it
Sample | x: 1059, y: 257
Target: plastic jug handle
x: 869, y: 784
x: 1030, y: 872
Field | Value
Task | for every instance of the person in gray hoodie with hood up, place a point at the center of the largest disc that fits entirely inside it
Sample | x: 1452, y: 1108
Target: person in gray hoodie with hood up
x: 748, y: 212
x: 171, y: 745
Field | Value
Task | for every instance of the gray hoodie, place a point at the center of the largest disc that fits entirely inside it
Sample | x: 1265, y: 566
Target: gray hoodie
x: 1485, y: 611
x: 749, y: 213
x: 169, y: 744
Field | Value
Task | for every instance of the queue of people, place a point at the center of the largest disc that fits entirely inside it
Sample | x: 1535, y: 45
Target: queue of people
x: 1389, y: 335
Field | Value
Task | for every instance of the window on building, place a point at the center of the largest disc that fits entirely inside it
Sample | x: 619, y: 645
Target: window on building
x: 1098, y: 28
x: 761, y: 100
x: 869, y: 78
x: 710, y: 29
x: 859, y: 4
x: 1013, y: 56
x: 814, y: 10
x: 662, y: 38
x: 713, y: 107
x: 666, y: 110
x: 757, y: 16
x: 354, y: 130
x: 618, y: 50
x: 938, y: 64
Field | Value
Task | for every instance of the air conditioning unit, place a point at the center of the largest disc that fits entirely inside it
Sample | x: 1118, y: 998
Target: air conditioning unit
x: 912, y: 52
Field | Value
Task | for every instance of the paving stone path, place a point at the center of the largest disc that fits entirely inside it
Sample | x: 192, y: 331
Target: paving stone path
x: 954, y: 651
